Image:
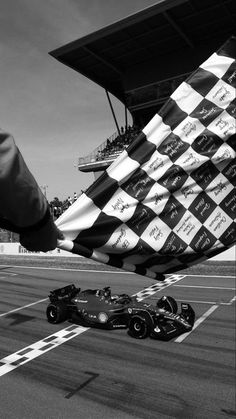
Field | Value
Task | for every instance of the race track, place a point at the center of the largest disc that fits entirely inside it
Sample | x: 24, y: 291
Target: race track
x: 69, y: 372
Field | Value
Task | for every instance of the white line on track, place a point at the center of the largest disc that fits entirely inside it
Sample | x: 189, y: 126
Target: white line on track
x: 36, y: 349
x: 197, y: 323
x: 232, y: 300
x: 8, y: 274
x: 106, y: 272
x: 199, y: 302
x: 22, y: 308
x: 69, y: 269
x: 209, y: 302
x: 212, y: 276
x: 203, y: 286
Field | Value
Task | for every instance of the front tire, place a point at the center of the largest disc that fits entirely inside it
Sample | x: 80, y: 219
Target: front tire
x: 139, y: 327
x: 56, y: 312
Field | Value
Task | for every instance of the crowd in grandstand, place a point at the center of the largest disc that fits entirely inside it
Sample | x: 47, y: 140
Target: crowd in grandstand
x: 121, y: 142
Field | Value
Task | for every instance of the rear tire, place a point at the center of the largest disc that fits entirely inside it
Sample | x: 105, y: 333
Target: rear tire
x: 139, y: 327
x: 57, y: 312
x: 168, y: 303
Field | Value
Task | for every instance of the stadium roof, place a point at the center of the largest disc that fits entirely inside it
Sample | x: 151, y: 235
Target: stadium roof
x: 187, y: 30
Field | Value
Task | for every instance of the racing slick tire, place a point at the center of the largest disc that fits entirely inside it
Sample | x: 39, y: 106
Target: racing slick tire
x: 168, y: 303
x: 57, y: 312
x: 139, y: 327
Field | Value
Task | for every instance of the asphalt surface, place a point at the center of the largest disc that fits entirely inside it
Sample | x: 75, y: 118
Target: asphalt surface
x: 106, y: 374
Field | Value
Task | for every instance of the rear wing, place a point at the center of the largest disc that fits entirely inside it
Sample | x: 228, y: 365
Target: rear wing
x: 65, y: 293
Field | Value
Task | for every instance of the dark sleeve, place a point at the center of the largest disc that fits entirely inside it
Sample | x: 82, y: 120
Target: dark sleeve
x: 22, y: 202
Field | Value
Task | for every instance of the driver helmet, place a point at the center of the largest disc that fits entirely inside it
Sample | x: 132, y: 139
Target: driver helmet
x: 107, y: 292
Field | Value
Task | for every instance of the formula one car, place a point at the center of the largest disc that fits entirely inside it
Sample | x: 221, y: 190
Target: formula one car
x: 99, y: 308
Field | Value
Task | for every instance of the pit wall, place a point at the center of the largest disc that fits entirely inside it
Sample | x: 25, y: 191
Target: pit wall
x: 17, y: 249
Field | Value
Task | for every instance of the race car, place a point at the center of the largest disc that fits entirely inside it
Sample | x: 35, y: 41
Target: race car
x: 99, y: 308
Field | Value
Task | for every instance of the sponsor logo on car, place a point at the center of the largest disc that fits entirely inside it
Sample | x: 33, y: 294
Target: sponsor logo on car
x: 102, y: 317
x: 80, y: 301
x: 119, y: 326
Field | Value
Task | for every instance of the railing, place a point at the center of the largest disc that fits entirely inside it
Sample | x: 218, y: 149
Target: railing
x: 93, y: 156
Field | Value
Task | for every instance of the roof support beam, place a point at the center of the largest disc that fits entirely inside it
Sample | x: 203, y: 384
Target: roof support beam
x: 112, y: 111
x: 107, y: 63
x: 178, y: 29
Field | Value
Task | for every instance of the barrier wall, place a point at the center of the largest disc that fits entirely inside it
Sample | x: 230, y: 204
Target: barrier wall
x: 17, y: 249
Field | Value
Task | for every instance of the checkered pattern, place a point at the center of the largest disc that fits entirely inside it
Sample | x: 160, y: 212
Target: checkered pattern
x: 168, y: 201
x: 31, y: 352
x: 158, y: 286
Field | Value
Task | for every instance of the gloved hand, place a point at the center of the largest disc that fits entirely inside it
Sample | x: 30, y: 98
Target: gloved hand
x: 43, y: 237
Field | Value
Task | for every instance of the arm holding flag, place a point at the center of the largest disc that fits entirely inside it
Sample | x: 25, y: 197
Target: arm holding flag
x: 23, y: 207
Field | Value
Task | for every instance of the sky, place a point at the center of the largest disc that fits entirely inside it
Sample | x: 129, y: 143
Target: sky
x: 54, y: 113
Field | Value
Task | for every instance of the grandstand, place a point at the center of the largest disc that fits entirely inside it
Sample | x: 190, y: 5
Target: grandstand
x: 143, y: 58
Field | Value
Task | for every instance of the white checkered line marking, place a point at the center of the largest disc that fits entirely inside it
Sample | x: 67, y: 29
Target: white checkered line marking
x: 31, y: 352
x: 158, y: 286
x: 197, y: 323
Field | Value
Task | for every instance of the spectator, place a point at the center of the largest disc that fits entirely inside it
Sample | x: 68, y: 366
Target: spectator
x: 56, y: 212
x: 99, y: 155
x: 70, y: 201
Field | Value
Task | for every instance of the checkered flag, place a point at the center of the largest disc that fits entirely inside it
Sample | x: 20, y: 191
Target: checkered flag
x: 168, y: 201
